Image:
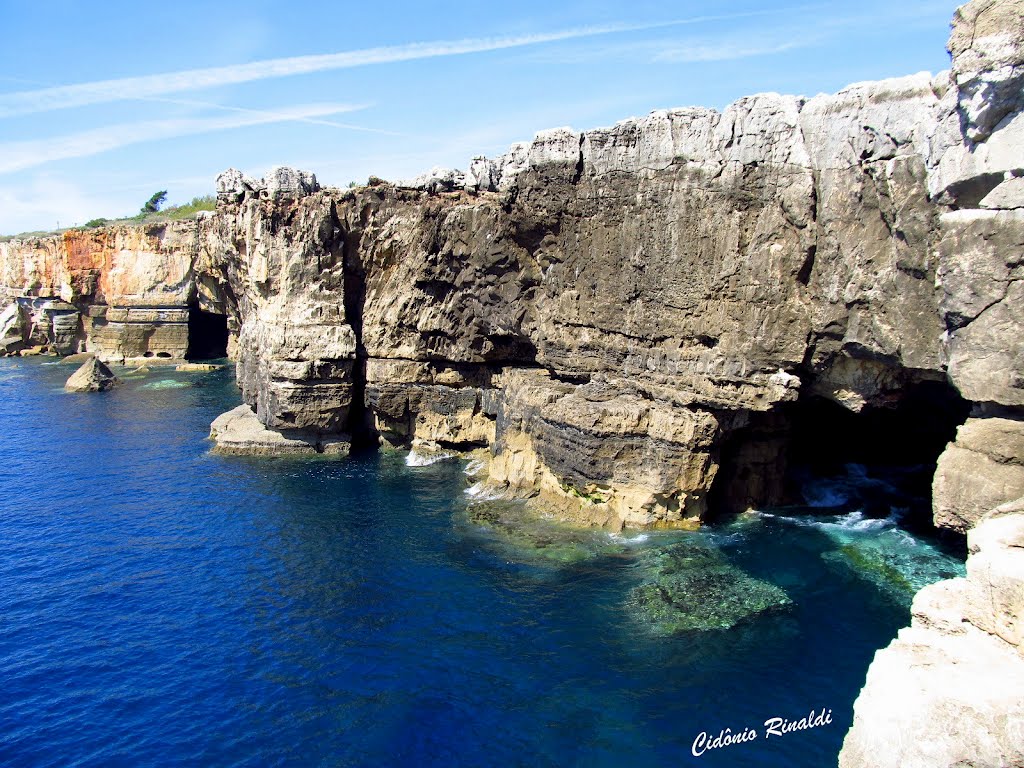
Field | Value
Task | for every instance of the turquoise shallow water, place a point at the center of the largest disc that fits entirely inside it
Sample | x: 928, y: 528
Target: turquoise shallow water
x: 161, y: 606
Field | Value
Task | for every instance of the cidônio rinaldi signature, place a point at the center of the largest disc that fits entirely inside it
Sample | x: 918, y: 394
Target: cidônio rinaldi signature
x: 773, y: 726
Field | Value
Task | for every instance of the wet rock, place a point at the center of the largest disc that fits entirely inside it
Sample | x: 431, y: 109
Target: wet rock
x: 194, y: 367
x: 93, y: 376
x: 519, y: 534
x: 240, y: 432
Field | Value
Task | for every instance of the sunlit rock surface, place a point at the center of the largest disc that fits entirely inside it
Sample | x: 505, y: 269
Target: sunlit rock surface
x: 946, y: 692
x: 625, y: 316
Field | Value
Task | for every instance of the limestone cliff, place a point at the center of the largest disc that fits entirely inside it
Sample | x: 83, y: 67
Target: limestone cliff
x: 611, y: 310
x: 122, y: 292
x: 625, y: 316
x: 629, y: 319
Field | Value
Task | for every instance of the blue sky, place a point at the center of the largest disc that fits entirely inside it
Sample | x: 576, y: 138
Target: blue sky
x: 102, y: 104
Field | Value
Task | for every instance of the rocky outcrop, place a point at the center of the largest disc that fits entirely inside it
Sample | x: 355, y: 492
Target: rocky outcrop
x: 280, y: 183
x: 93, y: 376
x: 981, y: 469
x: 121, y: 293
x: 624, y: 316
x: 240, y: 433
x: 946, y: 692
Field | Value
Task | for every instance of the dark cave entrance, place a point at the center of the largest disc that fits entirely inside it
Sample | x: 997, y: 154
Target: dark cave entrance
x: 207, y: 334
x: 816, y: 454
x: 914, y: 431
x: 875, y: 460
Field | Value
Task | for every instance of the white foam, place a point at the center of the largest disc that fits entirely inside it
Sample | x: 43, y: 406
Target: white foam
x: 474, y: 467
x: 631, y: 540
x: 418, y: 459
x: 854, y: 521
x: 824, y: 493
x: 483, y: 492
x: 166, y: 384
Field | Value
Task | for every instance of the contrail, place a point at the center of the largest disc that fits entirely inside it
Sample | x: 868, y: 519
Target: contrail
x: 104, y: 91
x: 18, y: 155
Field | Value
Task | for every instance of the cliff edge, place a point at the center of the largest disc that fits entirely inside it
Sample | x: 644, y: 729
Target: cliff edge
x: 635, y: 321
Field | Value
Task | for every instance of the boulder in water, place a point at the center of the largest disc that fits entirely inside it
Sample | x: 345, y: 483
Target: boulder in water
x: 93, y: 376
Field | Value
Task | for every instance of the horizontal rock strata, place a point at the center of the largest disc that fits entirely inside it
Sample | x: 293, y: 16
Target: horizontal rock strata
x: 240, y: 433
x: 623, y: 315
x: 625, y: 319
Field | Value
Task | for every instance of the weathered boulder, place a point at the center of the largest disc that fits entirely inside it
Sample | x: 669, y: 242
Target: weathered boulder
x: 981, y: 470
x: 946, y: 692
x: 987, y: 46
x: 240, y: 433
x: 979, y: 128
x: 93, y: 376
x: 232, y: 185
x: 284, y: 182
x: 436, y: 180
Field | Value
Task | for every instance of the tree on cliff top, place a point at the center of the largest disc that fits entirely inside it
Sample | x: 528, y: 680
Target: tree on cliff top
x: 153, y: 204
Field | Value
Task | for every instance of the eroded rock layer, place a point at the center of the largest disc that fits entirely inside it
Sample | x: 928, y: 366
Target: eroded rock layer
x: 614, y: 313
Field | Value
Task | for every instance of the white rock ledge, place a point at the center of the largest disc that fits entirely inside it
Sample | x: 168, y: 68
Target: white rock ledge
x: 948, y: 690
x: 239, y: 432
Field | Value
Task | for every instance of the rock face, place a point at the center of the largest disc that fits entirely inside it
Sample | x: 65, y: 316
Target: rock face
x: 93, y: 376
x: 626, y: 316
x: 982, y: 469
x: 121, y: 293
x: 627, y: 319
x: 946, y: 692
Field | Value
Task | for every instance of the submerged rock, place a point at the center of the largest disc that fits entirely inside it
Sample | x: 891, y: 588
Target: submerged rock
x: 93, y: 376
x: 522, y: 535
x: 195, y: 367
x: 691, y: 586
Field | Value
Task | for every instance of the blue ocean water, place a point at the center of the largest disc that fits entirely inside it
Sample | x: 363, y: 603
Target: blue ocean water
x: 160, y: 606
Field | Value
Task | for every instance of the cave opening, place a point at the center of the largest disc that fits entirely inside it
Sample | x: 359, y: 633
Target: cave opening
x: 876, y: 459
x: 207, y: 334
x: 817, y: 455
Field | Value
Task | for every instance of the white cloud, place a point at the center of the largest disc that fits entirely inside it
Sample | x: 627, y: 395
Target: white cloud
x: 19, y: 155
x: 726, y: 50
x: 45, y: 202
x: 82, y: 94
